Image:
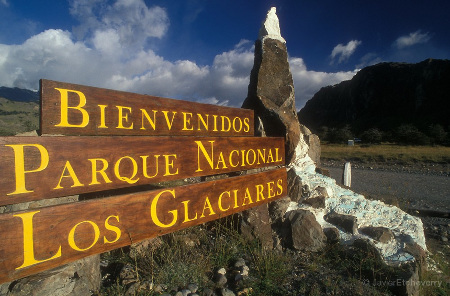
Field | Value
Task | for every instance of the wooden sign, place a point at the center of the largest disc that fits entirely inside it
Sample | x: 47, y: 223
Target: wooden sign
x: 71, y: 109
x: 35, y: 168
x: 44, y: 238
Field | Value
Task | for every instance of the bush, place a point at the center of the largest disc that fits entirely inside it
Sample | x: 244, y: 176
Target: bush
x: 373, y: 136
x: 341, y: 135
x: 437, y: 134
x: 408, y: 134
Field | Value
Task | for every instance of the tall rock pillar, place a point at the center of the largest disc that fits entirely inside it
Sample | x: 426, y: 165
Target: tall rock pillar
x: 271, y: 89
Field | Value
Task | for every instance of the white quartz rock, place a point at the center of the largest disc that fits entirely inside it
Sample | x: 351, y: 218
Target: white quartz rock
x: 271, y: 27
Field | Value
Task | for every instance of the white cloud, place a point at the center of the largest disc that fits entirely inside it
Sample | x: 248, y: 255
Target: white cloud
x: 412, y: 39
x: 4, y: 2
x: 103, y: 59
x: 344, y: 51
x: 131, y: 20
x: 308, y: 82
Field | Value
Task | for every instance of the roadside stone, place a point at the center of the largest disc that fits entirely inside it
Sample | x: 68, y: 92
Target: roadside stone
x: 316, y: 202
x: 220, y: 280
x: 381, y: 234
x: 240, y: 262
x: 332, y: 234
x: 128, y: 275
x: 306, y: 234
x: 255, y: 223
x: 208, y: 292
x: 347, y: 223
x: 313, y: 142
x: 193, y: 288
x: 227, y: 292
x: 294, y: 186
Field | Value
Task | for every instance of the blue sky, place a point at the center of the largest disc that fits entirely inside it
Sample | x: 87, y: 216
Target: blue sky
x: 202, y: 50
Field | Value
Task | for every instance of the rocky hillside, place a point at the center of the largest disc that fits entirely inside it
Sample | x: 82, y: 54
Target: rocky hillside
x: 18, y: 117
x: 19, y: 94
x: 384, y: 96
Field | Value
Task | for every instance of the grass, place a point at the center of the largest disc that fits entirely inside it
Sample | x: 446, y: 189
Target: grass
x: 386, y: 153
x: 18, y: 117
x: 175, y: 263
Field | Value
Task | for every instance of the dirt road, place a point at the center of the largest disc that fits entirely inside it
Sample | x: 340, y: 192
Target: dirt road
x: 414, y: 190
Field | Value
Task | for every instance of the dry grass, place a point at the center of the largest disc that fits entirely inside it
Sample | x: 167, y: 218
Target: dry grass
x: 388, y: 153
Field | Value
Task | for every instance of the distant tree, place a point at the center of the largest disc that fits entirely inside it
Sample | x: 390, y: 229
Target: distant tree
x: 341, y: 135
x: 373, y: 136
x: 410, y: 135
x: 437, y: 134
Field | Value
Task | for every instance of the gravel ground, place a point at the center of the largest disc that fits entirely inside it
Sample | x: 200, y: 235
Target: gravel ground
x: 421, y: 190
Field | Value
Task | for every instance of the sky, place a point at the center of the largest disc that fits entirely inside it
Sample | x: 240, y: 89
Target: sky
x: 202, y: 50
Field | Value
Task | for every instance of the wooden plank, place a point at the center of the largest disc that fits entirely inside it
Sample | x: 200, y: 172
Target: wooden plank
x: 33, y: 168
x: 37, y: 240
x: 71, y: 109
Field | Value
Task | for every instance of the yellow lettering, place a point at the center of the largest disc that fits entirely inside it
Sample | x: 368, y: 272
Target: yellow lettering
x: 68, y: 167
x: 247, y: 158
x: 149, y: 120
x: 246, y: 123
x: 154, y: 212
x: 71, y: 238
x: 169, y: 165
x: 129, y: 180
x: 208, y: 206
x: 262, y: 155
x: 102, y: 116
x: 187, y: 121
x: 100, y: 171
x: 121, y: 117
x: 276, y: 155
x: 28, y: 241
x: 270, y: 156
x: 65, y: 108
x: 221, y: 160
x: 259, y: 192
x: 113, y: 229
x: 220, y: 201
x: 144, y: 166
x: 234, y: 124
x: 215, y: 123
x: 205, y: 123
x: 169, y: 123
x: 248, y: 197
x: 186, y: 212
x: 19, y: 165
x: 280, y: 186
x: 209, y: 158
x: 231, y: 157
x: 223, y: 124
x: 235, y: 192
x: 270, y: 192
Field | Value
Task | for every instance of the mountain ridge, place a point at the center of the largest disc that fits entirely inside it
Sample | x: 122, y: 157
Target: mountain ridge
x: 19, y: 94
x: 384, y: 96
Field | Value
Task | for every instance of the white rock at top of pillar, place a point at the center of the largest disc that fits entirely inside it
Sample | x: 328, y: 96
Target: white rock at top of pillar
x: 271, y: 27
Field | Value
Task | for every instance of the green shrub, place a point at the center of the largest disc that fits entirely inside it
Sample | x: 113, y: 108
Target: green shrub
x: 373, y: 136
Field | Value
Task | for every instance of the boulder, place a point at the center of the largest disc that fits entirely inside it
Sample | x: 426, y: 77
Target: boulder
x: 381, y: 234
x: 271, y: 89
x: 305, y: 233
x: 77, y: 278
x: 345, y: 222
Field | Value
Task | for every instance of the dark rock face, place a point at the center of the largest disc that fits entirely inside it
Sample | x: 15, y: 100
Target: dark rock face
x: 381, y: 234
x: 384, y: 96
x: 271, y: 94
x: 347, y: 223
x: 306, y: 234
